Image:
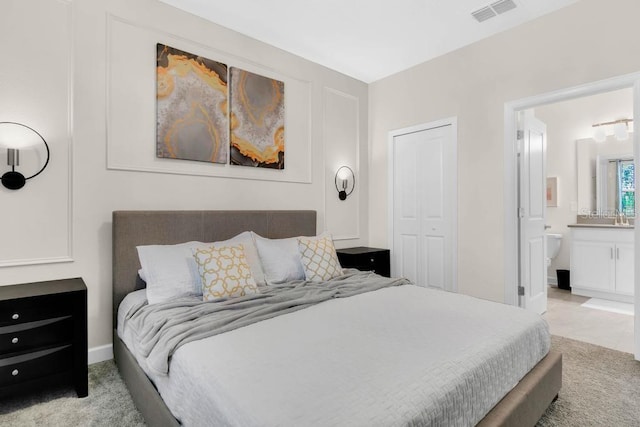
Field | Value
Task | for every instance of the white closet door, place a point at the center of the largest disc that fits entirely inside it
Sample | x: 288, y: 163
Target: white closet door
x: 423, y: 209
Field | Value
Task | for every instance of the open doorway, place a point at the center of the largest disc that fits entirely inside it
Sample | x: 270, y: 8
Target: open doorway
x: 589, y: 184
x: 513, y: 254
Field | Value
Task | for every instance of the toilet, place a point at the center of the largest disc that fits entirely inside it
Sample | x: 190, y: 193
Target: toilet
x: 553, y: 242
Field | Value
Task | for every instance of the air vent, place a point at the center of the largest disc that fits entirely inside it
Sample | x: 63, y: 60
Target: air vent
x: 494, y: 9
x: 503, y: 6
x: 483, y: 14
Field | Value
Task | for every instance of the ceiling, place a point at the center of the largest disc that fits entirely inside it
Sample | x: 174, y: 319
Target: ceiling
x: 365, y: 39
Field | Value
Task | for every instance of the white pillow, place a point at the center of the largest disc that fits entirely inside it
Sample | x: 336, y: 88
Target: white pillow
x: 171, y: 271
x: 280, y: 259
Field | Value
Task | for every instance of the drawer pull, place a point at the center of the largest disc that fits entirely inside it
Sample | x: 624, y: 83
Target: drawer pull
x: 15, y: 316
x: 372, y: 259
x: 15, y: 372
x: 14, y: 340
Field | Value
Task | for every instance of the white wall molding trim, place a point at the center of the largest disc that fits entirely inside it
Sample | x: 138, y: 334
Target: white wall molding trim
x: 511, y: 279
x: 298, y: 120
x: 100, y: 354
x: 337, y: 156
x: 70, y: 124
x: 35, y: 261
x: 58, y: 132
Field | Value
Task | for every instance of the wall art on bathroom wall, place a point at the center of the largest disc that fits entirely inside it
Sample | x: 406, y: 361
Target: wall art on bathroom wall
x: 191, y: 107
x: 552, y: 191
x: 256, y: 120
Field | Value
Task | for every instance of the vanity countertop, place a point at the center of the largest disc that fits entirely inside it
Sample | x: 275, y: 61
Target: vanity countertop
x: 630, y: 227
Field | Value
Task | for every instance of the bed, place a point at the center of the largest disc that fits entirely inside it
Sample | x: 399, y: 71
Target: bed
x: 522, y: 405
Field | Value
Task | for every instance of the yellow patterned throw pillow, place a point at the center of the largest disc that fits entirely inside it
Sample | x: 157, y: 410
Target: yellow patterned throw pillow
x: 224, y: 272
x: 319, y: 258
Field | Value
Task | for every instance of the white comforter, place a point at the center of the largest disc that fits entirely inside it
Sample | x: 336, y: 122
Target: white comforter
x: 434, y: 358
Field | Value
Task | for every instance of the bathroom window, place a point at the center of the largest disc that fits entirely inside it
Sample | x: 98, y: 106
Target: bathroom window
x: 626, y: 193
x: 616, y: 188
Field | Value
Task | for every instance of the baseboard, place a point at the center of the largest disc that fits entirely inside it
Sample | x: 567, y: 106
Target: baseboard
x: 100, y: 354
x: 551, y: 280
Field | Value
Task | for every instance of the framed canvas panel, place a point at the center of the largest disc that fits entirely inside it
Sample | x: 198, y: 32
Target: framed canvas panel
x: 256, y: 120
x: 191, y: 107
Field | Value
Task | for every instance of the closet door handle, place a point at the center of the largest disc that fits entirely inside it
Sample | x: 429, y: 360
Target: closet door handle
x: 617, y: 253
x: 611, y: 252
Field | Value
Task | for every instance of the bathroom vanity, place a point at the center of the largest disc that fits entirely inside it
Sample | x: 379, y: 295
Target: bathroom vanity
x: 602, y: 263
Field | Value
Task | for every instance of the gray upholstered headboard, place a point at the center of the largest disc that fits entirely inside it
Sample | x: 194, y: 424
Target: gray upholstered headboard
x: 135, y: 228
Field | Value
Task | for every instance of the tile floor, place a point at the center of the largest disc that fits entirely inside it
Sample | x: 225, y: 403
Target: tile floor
x: 567, y: 318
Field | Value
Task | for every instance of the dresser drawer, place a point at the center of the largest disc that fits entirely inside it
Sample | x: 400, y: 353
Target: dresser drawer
x: 31, y: 335
x: 14, y: 370
x: 37, y: 308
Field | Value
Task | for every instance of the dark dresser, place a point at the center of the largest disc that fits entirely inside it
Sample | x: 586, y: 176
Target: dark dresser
x: 366, y: 259
x: 43, y: 336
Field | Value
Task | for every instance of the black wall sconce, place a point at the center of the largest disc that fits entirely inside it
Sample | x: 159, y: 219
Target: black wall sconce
x: 15, y: 137
x: 345, y: 182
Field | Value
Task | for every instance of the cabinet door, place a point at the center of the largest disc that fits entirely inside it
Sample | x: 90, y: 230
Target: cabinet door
x: 593, y: 265
x: 624, y: 268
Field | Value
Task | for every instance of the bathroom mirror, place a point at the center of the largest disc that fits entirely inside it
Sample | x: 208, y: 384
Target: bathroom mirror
x: 603, y: 176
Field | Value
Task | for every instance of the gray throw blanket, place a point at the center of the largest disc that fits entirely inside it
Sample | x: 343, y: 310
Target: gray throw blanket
x: 160, y: 329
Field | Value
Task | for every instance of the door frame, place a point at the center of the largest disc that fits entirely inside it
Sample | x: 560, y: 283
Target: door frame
x: 511, y: 181
x: 453, y: 190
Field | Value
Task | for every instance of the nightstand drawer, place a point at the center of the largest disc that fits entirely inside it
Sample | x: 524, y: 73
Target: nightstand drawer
x: 373, y: 260
x: 365, y: 267
x: 38, y: 364
x: 365, y: 259
x: 31, y: 335
x: 37, y: 308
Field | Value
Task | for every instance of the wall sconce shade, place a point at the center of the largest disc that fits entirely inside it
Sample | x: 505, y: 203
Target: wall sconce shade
x: 345, y: 181
x: 16, y: 136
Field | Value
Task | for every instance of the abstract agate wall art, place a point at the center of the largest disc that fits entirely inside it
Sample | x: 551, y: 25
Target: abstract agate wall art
x: 192, y: 105
x: 256, y: 120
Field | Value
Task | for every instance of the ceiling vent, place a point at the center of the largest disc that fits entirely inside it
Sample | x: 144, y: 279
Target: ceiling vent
x: 503, y: 6
x: 494, y: 9
x: 483, y: 14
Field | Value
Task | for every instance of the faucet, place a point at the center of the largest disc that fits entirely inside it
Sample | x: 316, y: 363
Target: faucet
x: 621, y: 219
x: 625, y: 220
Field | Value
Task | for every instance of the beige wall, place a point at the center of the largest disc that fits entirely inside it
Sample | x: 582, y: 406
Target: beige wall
x: 111, y: 108
x: 567, y: 123
x: 582, y: 43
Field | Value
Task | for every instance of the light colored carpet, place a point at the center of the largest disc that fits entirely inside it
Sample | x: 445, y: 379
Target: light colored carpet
x: 601, y: 387
x: 108, y: 404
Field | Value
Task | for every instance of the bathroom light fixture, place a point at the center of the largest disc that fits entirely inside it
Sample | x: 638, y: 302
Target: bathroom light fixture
x: 599, y: 135
x: 345, y: 181
x: 15, y: 137
x: 620, y: 130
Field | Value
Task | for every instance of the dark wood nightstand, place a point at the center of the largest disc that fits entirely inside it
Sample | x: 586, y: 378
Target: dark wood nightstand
x: 43, y: 336
x: 366, y: 259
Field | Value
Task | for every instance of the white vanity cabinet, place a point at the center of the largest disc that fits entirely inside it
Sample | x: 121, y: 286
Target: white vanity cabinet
x: 602, y: 264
